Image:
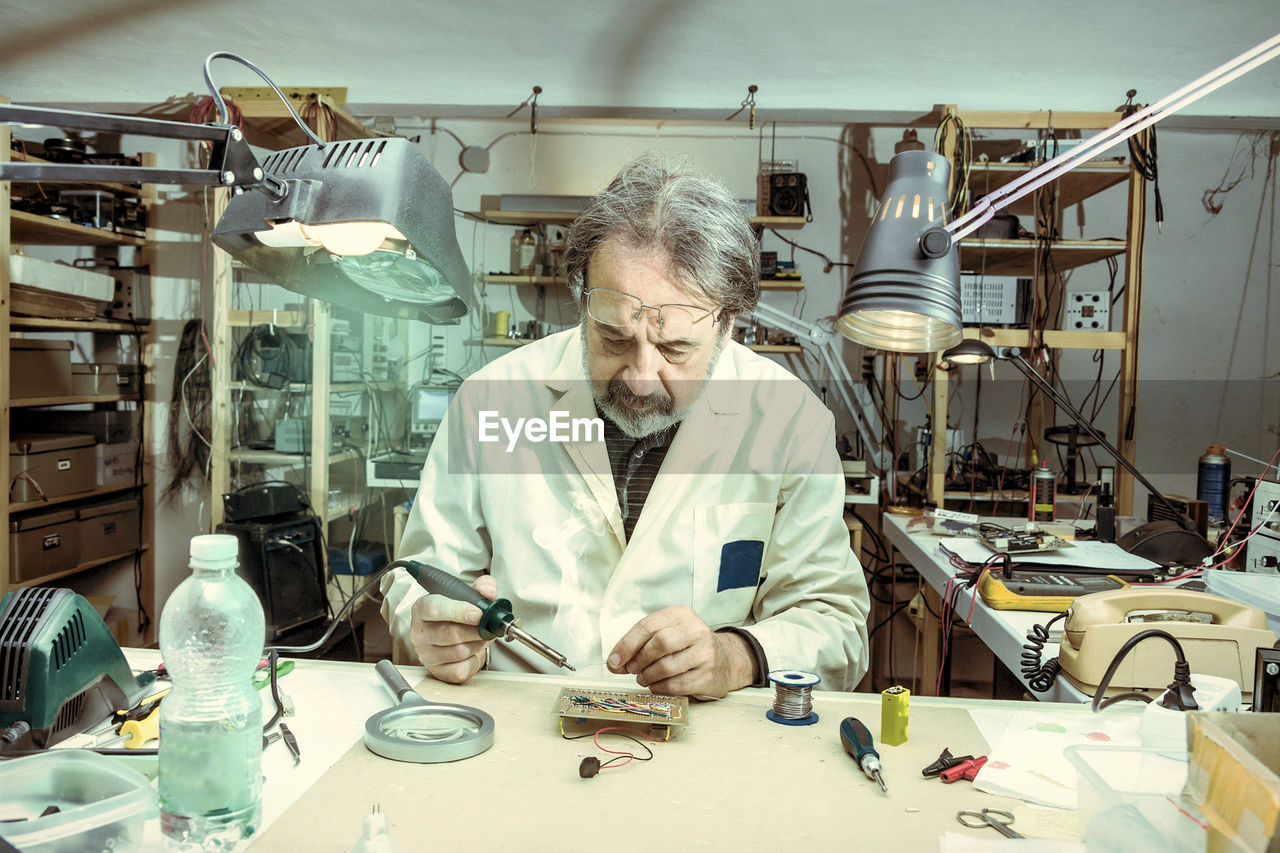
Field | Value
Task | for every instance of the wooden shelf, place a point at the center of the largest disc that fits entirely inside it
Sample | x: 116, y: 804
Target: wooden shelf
x: 519, y: 342
x: 272, y: 457
x: 555, y: 280
x: 1018, y: 257
x: 45, y: 580
x: 50, y: 324
x: 776, y: 349
x: 493, y: 341
x: 305, y: 387
x: 1073, y: 187
x: 565, y: 217
x: 30, y: 229
x: 284, y: 319
x: 101, y: 491
x: 30, y: 402
x: 1053, y: 338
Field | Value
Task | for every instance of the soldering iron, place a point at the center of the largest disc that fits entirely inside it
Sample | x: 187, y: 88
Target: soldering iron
x: 496, y: 617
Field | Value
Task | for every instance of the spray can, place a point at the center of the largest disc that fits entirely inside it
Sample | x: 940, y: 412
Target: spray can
x: 1212, y: 476
x: 1044, y: 493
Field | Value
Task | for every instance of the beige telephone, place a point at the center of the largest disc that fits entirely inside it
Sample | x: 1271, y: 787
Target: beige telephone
x: 1218, y: 636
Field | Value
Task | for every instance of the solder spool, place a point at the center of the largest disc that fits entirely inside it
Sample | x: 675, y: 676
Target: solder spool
x: 792, y: 700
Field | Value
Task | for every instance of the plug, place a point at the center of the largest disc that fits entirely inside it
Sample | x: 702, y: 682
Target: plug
x: 376, y: 837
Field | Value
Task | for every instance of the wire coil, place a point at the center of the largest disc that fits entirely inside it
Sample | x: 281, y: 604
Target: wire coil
x: 793, y: 699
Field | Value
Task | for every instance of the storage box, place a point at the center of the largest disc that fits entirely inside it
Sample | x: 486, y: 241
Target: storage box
x: 60, y: 278
x: 106, y: 426
x: 108, y: 529
x: 1125, y: 792
x: 367, y: 562
x: 39, y: 368
x: 50, y: 466
x: 96, y: 380
x: 70, y: 800
x: 1233, y: 779
x: 117, y: 464
x: 42, y: 544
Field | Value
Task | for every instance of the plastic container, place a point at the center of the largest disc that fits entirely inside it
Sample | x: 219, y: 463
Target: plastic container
x: 1252, y: 588
x: 211, y: 636
x: 101, y: 804
x: 1129, y: 799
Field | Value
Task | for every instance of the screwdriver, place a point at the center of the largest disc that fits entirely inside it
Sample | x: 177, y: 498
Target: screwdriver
x: 496, y: 618
x: 857, y: 742
x: 135, y: 733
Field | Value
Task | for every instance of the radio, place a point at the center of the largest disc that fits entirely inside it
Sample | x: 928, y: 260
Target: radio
x: 788, y: 194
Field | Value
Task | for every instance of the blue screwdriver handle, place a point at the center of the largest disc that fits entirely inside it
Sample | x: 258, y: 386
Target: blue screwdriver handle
x: 857, y: 739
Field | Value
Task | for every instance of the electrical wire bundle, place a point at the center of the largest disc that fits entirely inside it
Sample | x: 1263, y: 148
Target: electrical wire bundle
x: 267, y: 358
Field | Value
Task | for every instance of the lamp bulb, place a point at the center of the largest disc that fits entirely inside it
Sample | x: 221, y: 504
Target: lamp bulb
x: 346, y: 239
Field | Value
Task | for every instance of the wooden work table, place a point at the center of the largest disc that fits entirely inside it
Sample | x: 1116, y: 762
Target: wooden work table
x: 733, y: 780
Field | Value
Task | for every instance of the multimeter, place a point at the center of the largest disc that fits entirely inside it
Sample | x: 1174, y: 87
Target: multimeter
x: 1049, y: 592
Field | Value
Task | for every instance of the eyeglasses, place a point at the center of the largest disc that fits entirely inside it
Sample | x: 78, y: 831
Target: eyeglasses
x: 673, y: 321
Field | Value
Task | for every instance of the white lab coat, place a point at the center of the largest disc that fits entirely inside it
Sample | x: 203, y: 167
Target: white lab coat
x: 753, y: 467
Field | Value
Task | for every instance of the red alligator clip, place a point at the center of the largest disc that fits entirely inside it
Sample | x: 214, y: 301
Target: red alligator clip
x: 963, y: 770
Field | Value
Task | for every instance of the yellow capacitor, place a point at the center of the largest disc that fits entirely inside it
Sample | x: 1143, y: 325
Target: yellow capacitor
x: 894, y: 704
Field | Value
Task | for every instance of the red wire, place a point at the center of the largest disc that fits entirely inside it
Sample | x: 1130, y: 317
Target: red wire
x: 630, y: 756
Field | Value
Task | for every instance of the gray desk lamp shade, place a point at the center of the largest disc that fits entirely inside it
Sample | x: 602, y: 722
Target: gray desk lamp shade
x: 366, y: 224
x: 899, y: 299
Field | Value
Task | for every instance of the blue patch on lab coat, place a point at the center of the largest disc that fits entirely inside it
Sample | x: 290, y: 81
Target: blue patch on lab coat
x: 740, y: 564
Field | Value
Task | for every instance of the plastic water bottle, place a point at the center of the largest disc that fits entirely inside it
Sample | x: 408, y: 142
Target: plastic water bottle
x: 211, y: 635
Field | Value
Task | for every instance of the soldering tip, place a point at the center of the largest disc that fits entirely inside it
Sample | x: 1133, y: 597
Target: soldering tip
x: 569, y: 666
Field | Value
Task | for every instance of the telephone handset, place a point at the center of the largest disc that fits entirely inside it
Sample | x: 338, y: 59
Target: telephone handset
x: 1218, y: 636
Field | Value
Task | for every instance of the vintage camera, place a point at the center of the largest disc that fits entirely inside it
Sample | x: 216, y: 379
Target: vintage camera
x: 788, y: 194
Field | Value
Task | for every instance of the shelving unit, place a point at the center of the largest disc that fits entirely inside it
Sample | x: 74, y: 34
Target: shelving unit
x: 776, y: 349
x: 22, y: 228
x: 1020, y: 257
x: 556, y: 281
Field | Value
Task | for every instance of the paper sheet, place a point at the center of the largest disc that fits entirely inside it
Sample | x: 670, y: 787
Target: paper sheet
x: 1099, y: 555
x: 1027, y: 761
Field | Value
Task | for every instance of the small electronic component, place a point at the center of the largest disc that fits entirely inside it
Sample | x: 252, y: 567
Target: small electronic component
x: 894, y: 707
x: 1024, y: 541
x: 584, y: 710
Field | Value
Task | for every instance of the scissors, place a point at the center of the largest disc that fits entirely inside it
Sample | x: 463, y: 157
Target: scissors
x: 999, y: 819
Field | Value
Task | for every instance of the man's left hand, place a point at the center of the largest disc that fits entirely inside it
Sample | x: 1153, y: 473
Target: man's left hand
x: 673, y: 652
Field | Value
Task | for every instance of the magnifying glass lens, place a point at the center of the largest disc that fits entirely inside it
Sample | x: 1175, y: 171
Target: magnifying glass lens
x: 433, y: 727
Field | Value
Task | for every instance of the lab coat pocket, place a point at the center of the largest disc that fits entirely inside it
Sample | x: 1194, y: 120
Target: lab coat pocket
x: 729, y: 541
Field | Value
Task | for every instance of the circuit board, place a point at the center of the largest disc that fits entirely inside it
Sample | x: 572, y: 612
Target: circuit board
x: 1024, y: 542
x: 584, y: 710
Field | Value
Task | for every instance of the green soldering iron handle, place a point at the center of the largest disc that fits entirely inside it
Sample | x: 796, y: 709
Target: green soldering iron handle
x: 495, y: 617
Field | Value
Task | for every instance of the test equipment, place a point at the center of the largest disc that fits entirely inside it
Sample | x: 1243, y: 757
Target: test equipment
x: 283, y: 560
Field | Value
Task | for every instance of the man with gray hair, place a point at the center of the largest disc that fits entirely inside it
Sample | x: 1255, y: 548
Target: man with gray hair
x: 697, y: 540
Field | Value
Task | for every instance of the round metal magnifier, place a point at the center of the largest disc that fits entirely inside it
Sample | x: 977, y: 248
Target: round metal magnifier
x: 425, y: 732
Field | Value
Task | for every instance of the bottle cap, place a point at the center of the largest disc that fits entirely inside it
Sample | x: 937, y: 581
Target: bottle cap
x: 214, y: 550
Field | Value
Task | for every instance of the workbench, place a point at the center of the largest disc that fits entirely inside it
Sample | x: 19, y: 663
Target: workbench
x: 1003, y: 631
x: 732, y: 780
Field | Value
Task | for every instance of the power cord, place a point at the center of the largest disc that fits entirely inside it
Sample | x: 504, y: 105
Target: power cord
x: 1180, y: 691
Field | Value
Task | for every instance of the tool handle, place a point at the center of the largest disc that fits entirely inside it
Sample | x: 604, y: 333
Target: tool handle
x: 496, y: 614
x: 394, y: 680
x: 141, y: 731
x: 857, y: 739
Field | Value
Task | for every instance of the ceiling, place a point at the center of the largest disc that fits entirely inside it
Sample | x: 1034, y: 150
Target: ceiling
x: 673, y: 57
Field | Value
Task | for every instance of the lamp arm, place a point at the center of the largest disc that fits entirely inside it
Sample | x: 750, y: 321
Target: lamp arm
x: 232, y: 162
x: 861, y: 410
x: 1044, y: 385
x: 1052, y: 169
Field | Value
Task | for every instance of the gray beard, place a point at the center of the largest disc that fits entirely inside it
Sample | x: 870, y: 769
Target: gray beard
x: 659, y: 412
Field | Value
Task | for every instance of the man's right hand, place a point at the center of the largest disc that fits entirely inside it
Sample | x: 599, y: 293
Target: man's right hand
x: 445, y: 637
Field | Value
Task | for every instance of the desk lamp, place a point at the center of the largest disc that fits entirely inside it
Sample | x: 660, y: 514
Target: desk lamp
x: 366, y: 224
x: 905, y: 291
x: 1163, y: 541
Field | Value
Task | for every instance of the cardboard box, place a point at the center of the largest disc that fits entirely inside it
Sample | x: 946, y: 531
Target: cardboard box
x: 50, y: 466
x: 42, y: 544
x: 39, y: 368
x: 103, y: 380
x: 1232, y: 778
x: 117, y: 464
x: 108, y: 529
x: 107, y: 426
